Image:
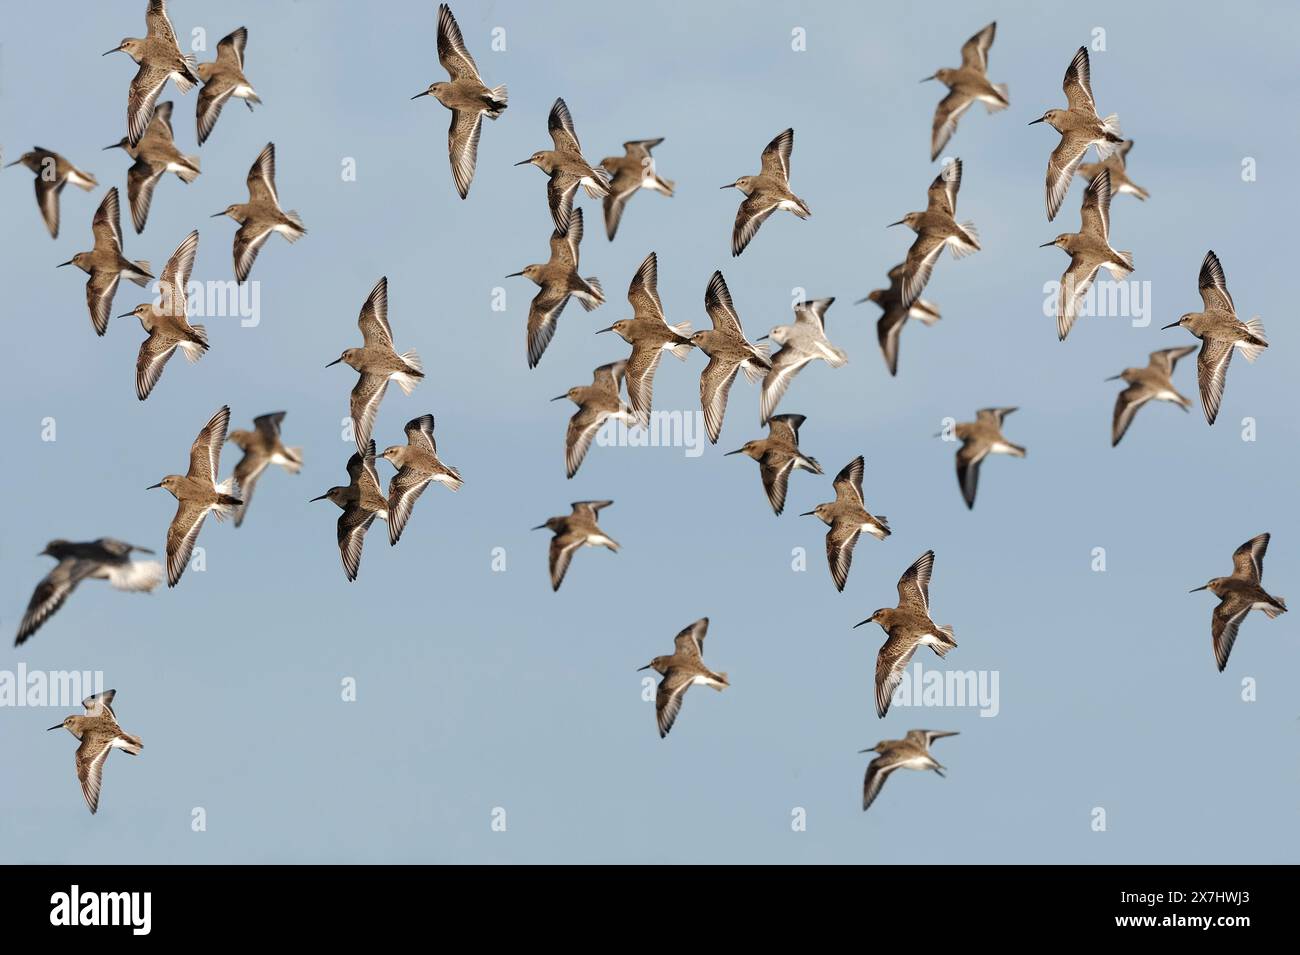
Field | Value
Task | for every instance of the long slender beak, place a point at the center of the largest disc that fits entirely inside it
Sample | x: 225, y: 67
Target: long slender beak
x: 115, y: 49
x: 538, y: 527
x: 14, y: 163
x: 730, y: 453
x: 152, y: 486
x: 1046, y: 245
x: 514, y: 274
x: 1114, y: 377
x: 524, y: 162
x: 559, y: 397
x: 62, y: 264
x: 125, y: 315
x: 761, y: 338
x: 925, y: 80
x: 899, y: 222
x: 321, y: 498
x: 57, y: 726
x: 856, y: 625
x: 808, y: 514
x: 418, y: 95
x: 638, y: 670
x: 1037, y: 121
x: 601, y: 331
x: 1194, y: 589
x: 730, y: 185
x: 1171, y: 325
x: 217, y: 215
x: 334, y: 362
x: 112, y: 146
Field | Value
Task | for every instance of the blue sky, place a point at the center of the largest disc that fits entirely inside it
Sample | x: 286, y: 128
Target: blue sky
x: 479, y: 690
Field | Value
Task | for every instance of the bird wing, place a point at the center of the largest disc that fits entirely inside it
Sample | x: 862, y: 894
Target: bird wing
x: 715, y: 384
x: 786, y: 363
x: 560, y: 126
x: 878, y: 771
x: 140, y: 98
x: 946, y: 115
x: 1227, y: 618
x: 47, y: 198
x: 753, y: 212
x: 1075, y: 282
x: 775, y: 472
x: 261, y: 177
x: 563, y: 547
x: 643, y: 291
x: 776, y: 155
x: 848, y: 483
x: 175, y: 278
x: 640, y: 378
x: 452, y: 54
x: 212, y: 97
x: 1165, y: 359
x: 181, y: 535
x: 1095, y: 214
x: 975, y: 51
x: 90, y: 766
x: 1061, y: 167
x: 367, y: 393
x: 462, y: 147
x: 914, y: 585
x: 155, y: 351
x: 352, y: 526
x: 249, y: 239
x: 582, y: 429
x: 839, y: 549
x: 1213, y: 285
x: 205, y: 452
x: 247, y: 471
x: 1078, y: 82
x: 1248, y: 559
x: 668, y: 698
x: 1211, y: 373
x: 891, y: 662
x: 690, y: 642
x: 543, y: 314
x: 100, y: 289
x: 419, y: 433
x: 942, y: 194
x: 107, y: 224
x: 140, y: 181
x: 51, y: 592
x: 969, y: 456
x: 1127, y: 403
x: 230, y: 48
x: 403, y: 491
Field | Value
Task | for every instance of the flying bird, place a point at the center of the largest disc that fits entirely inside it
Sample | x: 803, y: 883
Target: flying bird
x: 729, y: 351
x: 260, y: 215
x: 912, y: 752
x: 908, y: 626
x: 778, y: 456
x: 102, y: 559
x: 801, y: 343
x: 558, y: 279
x: 848, y: 517
x: 634, y: 170
x: 222, y: 79
x: 466, y: 96
x: 894, y: 315
x: 418, y: 465
x: 1089, y: 250
x: 262, y: 447
x: 53, y: 172
x: 572, y: 531
x: 680, y: 671
x: 361, y: 500
x: 936, y: 229
x: 378, y: 363
x: 167, y: 321
x: 1220, y: 331
x: 1080, y: 127
x: 198, y: 494
x: 565, y: 167
x: 979, y: 439
x: 1117, y: 164
x: 160, y: 59
x: 99, y: 734
x: 766, y: 192
x: 966, y: 84
x: 154, y: 155
x: 650, y: 335
x: 597, y: 403
x: 105, y: 264
x: 1154, y: 382
x: 1239, y: 594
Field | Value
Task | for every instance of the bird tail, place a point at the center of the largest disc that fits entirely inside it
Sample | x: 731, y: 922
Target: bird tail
x: 948, y: 641
x: 660, y: 184
x: 601, y: 187
x: 452, y: 479
x: 1110, y: 128
x: 131, y: 745
x: 137, y: 575
x: 408, y: 380
x: 1278, y: 608
x: 840, y: 357
x: 497, y: 99
x: 967, y: 244
x: 1015, y: 450
x: 296, y: 229
x: 195, y: 348
x: 1139, y: 191
x: 1123, y: 267
x: 722, y: 681
x: 145, y: 273
x: 927, y: 312
x: 1003, y: 92
x: 589, y: 293
x: 293, y: 464
x: 226, y: 499
x: 811, y: 464
x: 189, y: 170
x: 883, y: 521
x: 1256, y: 343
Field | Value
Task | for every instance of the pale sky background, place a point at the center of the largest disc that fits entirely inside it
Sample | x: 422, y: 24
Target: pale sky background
x: 478, y: 689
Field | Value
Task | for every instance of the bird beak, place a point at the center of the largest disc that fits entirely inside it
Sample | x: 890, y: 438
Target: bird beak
x: 14, y: 163
x: 1114, y: 377
x: 525, y: 162
x: 808, y: 514
x: 152, y: 486
x: 334, y: 362
x: 761, y: 338
x: 1038, y: 120
x: 892, y: 224
x: 603, y: 330
x: 856, y: 625
x: 217, y: 215
x: 730, y: 185
x: 321, y: 498
x: 418, y: 95
x: 62, y: 264
x: 126, y: 315
x: 1194, y: 589
x: 926, y: 80
x: 559, y: 397
x: 538, y: 527
x: 112, y: 146
x: 1173, y: 325
x: 57, y: 726
x: 638, y: 670
x: 1047, y: 244
x: 114, y: 50
x: 514, y: 274
x: 730, y: 453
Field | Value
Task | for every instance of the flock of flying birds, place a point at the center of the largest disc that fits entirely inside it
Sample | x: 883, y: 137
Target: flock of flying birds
x: 200, y: 491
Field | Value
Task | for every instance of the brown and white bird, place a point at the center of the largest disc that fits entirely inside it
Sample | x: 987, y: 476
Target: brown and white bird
x: 634, y: 170
x: 155, y: 155
x: 936, y: 229
x: 53, y: 172
x: 597, y: 403
x: 159, y: 55
x: 966, y: 84
x: 908, y: 626
x: 1154, y: 382
x: 99, y: 734
x: 1239, y: 594
x: 1117, y: 164
x: 801, y: 344
x: 572, y: 531
x: 105, y: 264
x: 262, y: 447
x: 103, y: 559
x: 558, y: 279
x: 894, y: 315
x: 778, y: 456
x: 682, y: 670
x: 198, y: 494
x: 729, y: 351
x: 1090, y: 252
x: 466, y: 95
x: 361, y: 500
x: 1080, y: 127
x: 418, y: 465
x: 222, y: 79
x: 979, y: 439
x: 848, y: 517
x: 261, y: 215
x: 766, y: 192
x: 1221, y: 332
x: 911, y: 752
x: 565, y: 167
